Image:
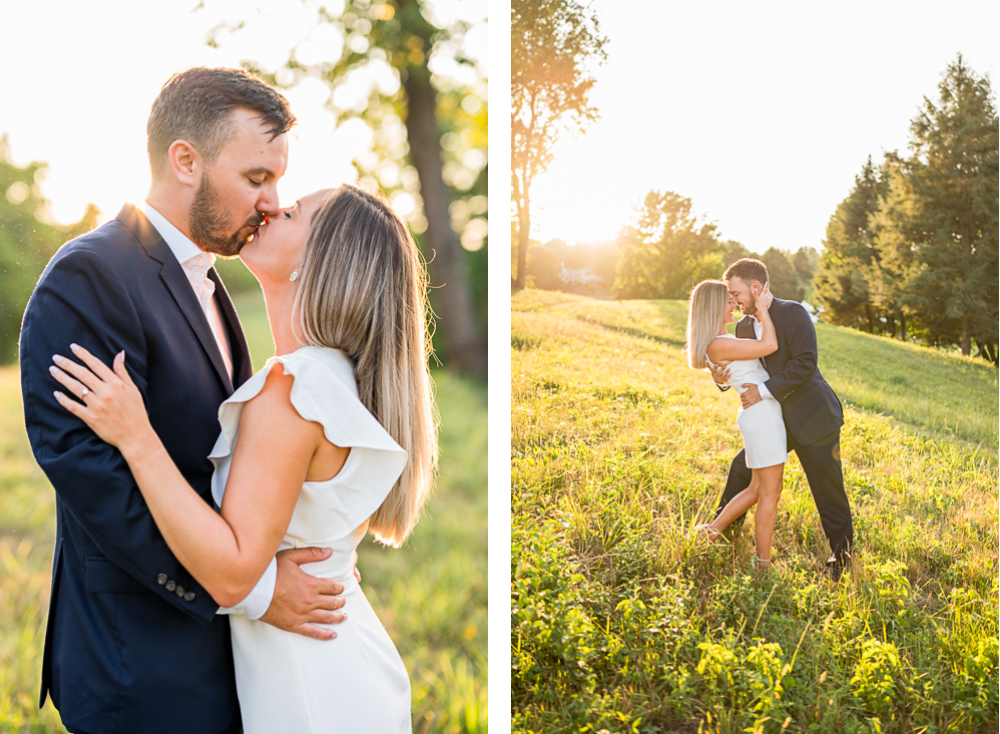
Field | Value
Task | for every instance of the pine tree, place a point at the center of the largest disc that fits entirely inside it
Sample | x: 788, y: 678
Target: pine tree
x: 954, y: 177
x: 849, y: 250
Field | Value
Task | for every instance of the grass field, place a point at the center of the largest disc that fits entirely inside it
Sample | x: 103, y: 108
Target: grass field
x: 431, y: 595
x: 621, y: 622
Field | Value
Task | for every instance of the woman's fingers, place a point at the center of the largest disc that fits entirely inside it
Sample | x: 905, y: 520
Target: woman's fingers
x: 81, y: 373
x: 120, y: 370
x: 71, y: 405
x: 97, y: 366
x: 74, y: 386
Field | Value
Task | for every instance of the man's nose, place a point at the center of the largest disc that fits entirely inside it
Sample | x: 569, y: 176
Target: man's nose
x: 268, y: 201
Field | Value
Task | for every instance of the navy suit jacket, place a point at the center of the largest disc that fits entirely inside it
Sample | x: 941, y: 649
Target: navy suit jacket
x: 132, y: 642
x: 811, y: 408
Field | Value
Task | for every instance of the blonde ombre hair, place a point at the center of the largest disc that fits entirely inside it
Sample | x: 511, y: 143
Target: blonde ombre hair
x: 363, y: 290
x: 706, y: 310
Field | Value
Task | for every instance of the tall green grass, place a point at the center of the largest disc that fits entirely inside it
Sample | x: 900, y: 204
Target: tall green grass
x: 623, y: 622
x: 431, y: 594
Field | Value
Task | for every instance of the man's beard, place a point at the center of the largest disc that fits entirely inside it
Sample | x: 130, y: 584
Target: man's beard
x: 209, y: 223
x: 751, y: 308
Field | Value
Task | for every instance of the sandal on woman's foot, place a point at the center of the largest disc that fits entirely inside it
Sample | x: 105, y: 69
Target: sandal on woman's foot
x: 707, y: 532
x: 761, y: 565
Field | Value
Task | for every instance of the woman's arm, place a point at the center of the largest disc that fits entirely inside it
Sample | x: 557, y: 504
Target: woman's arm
x: 226, y: 553
x: 734, y: 349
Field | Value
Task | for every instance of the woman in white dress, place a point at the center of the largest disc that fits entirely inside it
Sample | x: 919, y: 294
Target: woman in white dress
x: 762, y: 425
x: 334, y: 437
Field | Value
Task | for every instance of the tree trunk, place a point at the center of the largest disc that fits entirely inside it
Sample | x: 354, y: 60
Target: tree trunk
x: 523, y: 228
x: 967, y: 335
x: 902, y: 327
x: 455, y: 316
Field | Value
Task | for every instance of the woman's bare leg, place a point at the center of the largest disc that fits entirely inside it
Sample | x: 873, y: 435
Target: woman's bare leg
x: 770, y: 478
x: 736, y: 506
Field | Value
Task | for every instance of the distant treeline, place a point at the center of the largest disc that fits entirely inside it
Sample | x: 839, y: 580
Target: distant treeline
x: 911, y: 252
x: 613, y: 269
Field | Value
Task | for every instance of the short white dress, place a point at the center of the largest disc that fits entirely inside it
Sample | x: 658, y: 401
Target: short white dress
x: 762, y: 424
x: 356, y: 682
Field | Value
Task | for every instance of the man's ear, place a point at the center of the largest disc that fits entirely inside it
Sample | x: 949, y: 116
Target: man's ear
x: 185, y: 162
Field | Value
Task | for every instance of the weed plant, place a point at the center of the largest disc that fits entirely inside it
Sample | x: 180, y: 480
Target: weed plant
x: 430, y: 595
x: 623, y: 621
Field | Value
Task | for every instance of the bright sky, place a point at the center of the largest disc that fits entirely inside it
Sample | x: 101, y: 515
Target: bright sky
x: 81, y: 76
x: 760, y: 113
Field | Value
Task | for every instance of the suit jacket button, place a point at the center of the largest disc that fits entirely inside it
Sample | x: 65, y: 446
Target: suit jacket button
x: 189, y: 596
x: 161, y: 579
x: 180, y: 591
x: 171, y: 585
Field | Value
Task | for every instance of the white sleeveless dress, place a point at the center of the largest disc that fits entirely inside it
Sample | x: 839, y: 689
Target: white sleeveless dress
x: 356, y: 682
x: 762, y: 424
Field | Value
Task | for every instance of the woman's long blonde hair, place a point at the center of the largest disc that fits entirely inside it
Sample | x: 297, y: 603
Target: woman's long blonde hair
x: 706, y: 310
x: 363, y: 290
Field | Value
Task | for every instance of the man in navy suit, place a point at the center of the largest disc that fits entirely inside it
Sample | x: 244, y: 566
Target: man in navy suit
x: 133, y: 643
x: 812, y: 412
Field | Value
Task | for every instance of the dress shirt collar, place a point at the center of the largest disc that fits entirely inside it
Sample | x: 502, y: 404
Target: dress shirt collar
x: 183, y: 248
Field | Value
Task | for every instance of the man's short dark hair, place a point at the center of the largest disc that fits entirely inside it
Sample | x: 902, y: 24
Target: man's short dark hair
x: 748, y: 270
x: 195, y: 105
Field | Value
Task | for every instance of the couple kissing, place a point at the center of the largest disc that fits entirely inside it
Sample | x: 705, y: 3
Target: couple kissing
x: 785, y: 405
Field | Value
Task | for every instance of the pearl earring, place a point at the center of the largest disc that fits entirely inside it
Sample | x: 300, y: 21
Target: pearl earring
x: 294, y: 276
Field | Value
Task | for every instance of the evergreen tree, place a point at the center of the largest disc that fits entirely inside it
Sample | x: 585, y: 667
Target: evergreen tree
x: 890, y: 278
x: 849, y: 250
x: 954, y: 178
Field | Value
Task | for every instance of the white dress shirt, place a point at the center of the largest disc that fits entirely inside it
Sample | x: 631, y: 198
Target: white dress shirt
x: 758, y: 329
x: 196, y: 264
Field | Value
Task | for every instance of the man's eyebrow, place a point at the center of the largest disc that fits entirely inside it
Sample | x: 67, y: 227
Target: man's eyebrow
x: 267, y: 171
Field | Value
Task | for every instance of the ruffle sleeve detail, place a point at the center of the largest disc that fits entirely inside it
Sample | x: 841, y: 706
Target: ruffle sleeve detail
x: 325, y: 392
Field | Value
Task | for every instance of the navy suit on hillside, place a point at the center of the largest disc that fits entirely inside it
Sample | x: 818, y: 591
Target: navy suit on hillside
x: 813, y: 417
x: 132, y: 642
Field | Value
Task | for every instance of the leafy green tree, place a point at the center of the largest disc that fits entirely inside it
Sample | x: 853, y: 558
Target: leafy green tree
x: 28, y: 240
x: 783, y: 278
x: 805, y: 261
x: 426, y: 140
x: 849, y: 250
x: 954, y: 178
x: 733, y: 251
x: 552, y: 43
x: 667, y: 252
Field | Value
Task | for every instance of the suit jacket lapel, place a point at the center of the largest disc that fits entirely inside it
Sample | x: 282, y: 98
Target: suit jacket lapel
x: 744, y: 328
x: 242, y: 364
x: 173, y: 277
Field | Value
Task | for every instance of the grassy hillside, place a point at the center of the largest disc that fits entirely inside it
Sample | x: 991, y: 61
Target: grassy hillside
x: 431, y: 595
x: 621, y: 622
